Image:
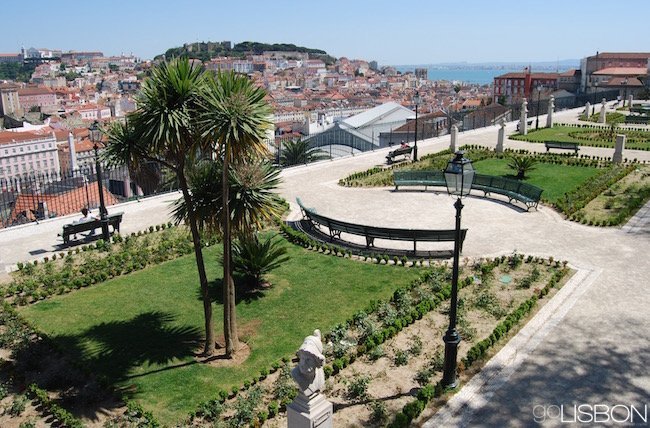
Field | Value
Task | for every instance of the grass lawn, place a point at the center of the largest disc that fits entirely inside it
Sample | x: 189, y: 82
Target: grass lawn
x: 597, y: 137
x: 556, y: 180
x: 139, y: 331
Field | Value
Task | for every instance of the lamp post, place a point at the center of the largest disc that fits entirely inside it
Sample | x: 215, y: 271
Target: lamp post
x: 595, y: 96
x: 459, y: 175
x: 417, y: 100
x: 95, y: 137
x: 539, y: 93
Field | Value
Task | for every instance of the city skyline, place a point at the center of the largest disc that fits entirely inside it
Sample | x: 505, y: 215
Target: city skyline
x: 421, y: 34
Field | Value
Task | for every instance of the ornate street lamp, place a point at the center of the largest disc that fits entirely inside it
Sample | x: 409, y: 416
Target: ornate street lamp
x: 459, y: 175
x: 95, y: 137
x: 416, y: 100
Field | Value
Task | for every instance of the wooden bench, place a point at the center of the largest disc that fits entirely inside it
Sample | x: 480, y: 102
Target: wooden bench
x: 512, y: 189
x: 85, y: 226
x: 643, y: 120
x: 419, y: 178
x: 561, y: 145
x: 336, y: 227
x: 406, y: 151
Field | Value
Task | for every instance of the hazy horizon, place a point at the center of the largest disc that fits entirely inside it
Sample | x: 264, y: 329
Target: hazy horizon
x: 503, y: 31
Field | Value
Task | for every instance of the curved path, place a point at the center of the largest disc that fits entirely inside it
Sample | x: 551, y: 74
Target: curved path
x: 589, y: 345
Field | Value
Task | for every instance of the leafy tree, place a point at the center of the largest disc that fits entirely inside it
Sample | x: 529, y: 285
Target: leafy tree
x: 299, y: 152
x: 236, y: 117
x: 522, y: 165
x: 163, y: 129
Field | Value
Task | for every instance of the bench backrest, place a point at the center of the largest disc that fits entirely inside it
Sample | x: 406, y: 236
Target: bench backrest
x: 419, y: 175
x: 400, y: 151
x: 424, y: 235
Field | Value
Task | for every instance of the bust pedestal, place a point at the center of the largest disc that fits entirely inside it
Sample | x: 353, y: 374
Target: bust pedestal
x: 309, y: 412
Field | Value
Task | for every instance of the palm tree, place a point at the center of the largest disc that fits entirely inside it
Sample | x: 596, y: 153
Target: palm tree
x: 254, y: 258
x: 163, y: 129
x: 236, y: 118
x: 522, y: 164
x: 298, y: 152
x: 252, y: 203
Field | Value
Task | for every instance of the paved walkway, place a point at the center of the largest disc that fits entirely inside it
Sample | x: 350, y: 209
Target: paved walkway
x: 591, y: 346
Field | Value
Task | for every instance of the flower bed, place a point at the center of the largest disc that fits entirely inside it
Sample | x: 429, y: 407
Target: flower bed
x: 95, y: 263
x: 398, y: 342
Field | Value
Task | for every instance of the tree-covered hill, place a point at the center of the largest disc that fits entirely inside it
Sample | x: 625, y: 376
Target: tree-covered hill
x: 208, y: 50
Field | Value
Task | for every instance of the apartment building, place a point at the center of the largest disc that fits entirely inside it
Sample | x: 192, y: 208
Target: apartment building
x: 28, y: 153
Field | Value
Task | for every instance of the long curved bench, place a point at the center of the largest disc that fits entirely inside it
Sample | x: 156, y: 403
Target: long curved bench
x: 512, y: 189
x: 336, y: 227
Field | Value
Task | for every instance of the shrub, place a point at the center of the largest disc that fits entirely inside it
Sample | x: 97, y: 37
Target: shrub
x: 357, y: 388
x: 18, y: 405
x: 401, y: 358
x: 378, y: 412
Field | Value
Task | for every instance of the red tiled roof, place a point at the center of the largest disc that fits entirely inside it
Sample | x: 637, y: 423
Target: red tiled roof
x: 622, y: 55
x: 624, y: 82
x: 61, y: 204
x: 40, y: 90
x: 622, y: 71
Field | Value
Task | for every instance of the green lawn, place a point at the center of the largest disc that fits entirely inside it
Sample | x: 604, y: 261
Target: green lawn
x: 592, y: 136
x: 556, y: 180
x: 139, y: 331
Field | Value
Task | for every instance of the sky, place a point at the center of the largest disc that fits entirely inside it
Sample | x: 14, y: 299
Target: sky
x: 389, y: 32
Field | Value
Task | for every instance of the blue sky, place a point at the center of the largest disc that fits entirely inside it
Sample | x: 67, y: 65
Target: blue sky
x: 390, y: 32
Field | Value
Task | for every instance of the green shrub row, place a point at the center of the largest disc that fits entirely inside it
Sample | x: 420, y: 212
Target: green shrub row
x: 413, y: 409
x: 579, y: 197
x: 61, y: 415
x: 124, y: 255
x: 477, y: 351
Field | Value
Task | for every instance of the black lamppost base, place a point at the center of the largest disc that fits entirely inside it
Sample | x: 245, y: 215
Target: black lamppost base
x: 451, y: 339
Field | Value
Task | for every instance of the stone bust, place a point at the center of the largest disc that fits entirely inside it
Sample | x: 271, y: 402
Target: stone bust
x: 309, y: 374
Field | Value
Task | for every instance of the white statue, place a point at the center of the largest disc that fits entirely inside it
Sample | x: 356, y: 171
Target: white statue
x: 309, y: 373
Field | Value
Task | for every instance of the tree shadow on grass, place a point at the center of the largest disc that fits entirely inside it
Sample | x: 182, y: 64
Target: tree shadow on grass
x: 108, y: 353
x: 244, y: 292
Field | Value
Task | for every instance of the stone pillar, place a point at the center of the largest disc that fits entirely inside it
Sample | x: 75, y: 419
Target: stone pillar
x: 629, y: 100
x: 603, y: 114
x: 523, y: 120
x: 309, y: 412
x: 618, y: 150
x: 549, y: 113
x: 587, y: 109
x: 502, y: 135
x: 73, y: 154
x: 454, y: 137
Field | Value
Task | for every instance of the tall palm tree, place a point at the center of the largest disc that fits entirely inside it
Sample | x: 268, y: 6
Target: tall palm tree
x: 298, y: 152
x: 252, y: 203
x: 164, y: 129
x: 236, y: 118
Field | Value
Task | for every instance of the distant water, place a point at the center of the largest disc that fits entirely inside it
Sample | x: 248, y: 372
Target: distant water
x: 480, y: 76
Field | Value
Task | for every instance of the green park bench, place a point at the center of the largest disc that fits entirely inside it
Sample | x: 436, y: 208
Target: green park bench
x: 370, y: 233
x: 488, y: 184
x: 72, y: 229
x: 642, y: 120
x: 561, y: 145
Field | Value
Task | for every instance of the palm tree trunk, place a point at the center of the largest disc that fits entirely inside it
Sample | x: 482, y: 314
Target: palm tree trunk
x: 229, y: 309
x: 200, y: 265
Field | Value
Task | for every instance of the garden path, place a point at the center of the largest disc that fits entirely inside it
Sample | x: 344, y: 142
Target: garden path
x: 595, y: 353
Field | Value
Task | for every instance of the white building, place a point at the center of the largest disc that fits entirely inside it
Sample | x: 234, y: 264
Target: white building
x: 28, y: 153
